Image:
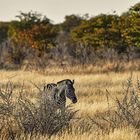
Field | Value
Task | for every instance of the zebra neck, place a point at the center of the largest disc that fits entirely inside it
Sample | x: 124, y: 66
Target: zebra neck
x: 60, y: 99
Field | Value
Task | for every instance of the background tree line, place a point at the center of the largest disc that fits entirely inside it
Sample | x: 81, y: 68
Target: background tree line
x: 34, y: 39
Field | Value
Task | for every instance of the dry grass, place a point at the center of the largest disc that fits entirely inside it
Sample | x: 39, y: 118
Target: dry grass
x: 91, y: 92
x: 99, y: 67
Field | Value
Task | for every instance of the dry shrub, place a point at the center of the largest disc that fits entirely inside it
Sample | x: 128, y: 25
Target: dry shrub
x: 20, y: 116
x: 126, y: 111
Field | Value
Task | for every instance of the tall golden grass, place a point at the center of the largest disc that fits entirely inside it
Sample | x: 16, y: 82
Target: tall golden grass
x: 91, y: 90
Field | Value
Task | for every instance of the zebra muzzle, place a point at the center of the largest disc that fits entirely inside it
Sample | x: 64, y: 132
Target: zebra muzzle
x: 74, y: 100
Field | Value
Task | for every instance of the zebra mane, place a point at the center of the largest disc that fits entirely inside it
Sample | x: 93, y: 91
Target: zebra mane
x: 64, y: 81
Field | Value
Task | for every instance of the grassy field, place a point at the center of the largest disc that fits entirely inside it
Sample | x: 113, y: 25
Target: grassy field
x: 91, y: 90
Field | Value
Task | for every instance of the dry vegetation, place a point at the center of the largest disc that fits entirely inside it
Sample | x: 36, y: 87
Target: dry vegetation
x: 108, y: 105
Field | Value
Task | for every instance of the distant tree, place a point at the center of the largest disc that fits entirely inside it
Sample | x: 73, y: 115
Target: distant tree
x: 34, y: 29
x: 3, y: 31
x: 70, y: 22
x: 134, y: 25
x: 97, y: 33
x: 130, y: 30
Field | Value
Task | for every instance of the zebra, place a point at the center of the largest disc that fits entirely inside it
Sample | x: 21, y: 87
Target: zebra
x: 57, y: 93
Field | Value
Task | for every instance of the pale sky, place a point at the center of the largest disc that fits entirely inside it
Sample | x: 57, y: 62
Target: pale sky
x: 57, y: 9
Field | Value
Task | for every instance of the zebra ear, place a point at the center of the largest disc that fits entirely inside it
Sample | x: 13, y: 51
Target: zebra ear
x: 45, y: 88
x: 73, y: 81
x: 49, y: 86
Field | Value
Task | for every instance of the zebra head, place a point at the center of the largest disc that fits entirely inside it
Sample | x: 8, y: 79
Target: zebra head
x: 69, y: 90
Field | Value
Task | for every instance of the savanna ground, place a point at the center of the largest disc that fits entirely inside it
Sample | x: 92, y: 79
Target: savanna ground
x: 91, y: 90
